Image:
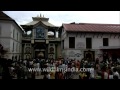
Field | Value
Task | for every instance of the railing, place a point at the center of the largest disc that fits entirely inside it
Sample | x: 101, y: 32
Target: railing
x: 26, y: 38
x: 54, y: 39
x: 50, y: 38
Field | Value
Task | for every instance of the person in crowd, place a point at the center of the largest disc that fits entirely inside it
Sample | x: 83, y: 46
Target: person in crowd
x: 5, y: 68
x: 82, y: 75
x: 98, y: 76
x: 92, y: 73
x: 110, y: 74
x: 115, y: 74
x: 88, y: 75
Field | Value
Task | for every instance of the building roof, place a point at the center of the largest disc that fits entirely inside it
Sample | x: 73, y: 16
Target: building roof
x: 48, y: 24
x: 4, y: 16
x: 32, y: 23
x: 91, y: 27
x: 44, y: 22
x: 38, y: 19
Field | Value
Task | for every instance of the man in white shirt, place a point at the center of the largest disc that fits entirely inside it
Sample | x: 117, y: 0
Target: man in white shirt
x: 92, y: 73
x: 115, y: 73
x: 48, y: 76
x: 106, y: 75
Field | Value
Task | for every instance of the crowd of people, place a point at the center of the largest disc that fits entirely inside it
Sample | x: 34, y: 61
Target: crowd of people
x: 10, y: 69
x: 106, y: 69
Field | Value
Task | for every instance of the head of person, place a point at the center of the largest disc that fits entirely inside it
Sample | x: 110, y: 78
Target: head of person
x: 114, y: 69
x: 115, y: 77
x: 110, y: 72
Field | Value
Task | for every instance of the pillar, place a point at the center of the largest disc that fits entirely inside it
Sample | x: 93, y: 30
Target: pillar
x: 55, y: 51
x: 55, y: 34
x: 46, y: 52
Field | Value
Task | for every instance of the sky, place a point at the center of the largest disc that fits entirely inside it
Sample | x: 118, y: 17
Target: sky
x: 57, y: 18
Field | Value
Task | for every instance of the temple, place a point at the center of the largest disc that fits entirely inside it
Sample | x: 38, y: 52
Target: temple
x: 41, y: 38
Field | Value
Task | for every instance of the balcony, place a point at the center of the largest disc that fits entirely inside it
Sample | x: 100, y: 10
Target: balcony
x: 26, y: 38
x: 53, y: 39
x: 50, y: 38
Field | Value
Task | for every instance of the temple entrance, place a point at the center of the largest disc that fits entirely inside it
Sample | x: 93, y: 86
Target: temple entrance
x: 40, y: 50
x: 89, y: 55
x: 40, y: 54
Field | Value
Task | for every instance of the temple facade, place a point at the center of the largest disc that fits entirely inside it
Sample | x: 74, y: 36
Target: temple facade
x: 40, y: 42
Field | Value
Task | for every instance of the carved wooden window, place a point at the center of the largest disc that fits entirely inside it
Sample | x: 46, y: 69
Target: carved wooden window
x: 105, y: 41
x: 71, y: 42
x: 88, y: 43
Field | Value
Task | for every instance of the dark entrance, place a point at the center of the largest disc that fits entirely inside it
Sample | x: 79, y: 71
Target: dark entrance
x: 40, y: 50
x: 89, y: 55
x: 38, y: 54
x: 111, y: 53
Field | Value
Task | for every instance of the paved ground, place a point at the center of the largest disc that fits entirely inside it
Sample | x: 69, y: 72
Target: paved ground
x: 39, y: 77
x: 75, y: 76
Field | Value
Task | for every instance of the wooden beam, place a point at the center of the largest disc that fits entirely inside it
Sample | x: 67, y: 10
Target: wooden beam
x: 115, y: 35
x: 101, y: 35
x: 98, y: 35
x: 119, y: 36
x: 110, y: 35
x: 80, y: 34
x: 84, y: 34
x: 94, y: 35
x: 76, y: 34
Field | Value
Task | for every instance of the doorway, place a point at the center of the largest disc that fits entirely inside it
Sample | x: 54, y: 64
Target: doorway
x: 89, y: 55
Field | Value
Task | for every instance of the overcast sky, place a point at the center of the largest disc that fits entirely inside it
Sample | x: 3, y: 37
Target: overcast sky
x: 59, y: 17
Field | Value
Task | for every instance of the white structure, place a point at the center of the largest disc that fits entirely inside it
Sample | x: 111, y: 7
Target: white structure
x: 92, y: 41
x: 10, y: 36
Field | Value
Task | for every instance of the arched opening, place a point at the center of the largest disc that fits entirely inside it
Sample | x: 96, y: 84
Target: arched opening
x: 50, y: 33
x: 19, y: 57
x: 27, y: 57
x: 29, y: 32
x: 13, y: 58
x: 16, y: 58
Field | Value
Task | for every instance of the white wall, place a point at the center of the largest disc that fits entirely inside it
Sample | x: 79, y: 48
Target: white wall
x: 6, y: 43
x: 5, y: 29
x: 114, y: 42
x: 97, y: 42
x: 16, y: 30
x: 6, y: 38
x: 73, y: 54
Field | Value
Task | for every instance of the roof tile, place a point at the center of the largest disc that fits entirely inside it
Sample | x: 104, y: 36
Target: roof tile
x: 89, y: 27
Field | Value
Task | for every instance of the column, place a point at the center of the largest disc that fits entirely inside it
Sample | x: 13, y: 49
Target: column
x: 55, y: 34
x: 23, y: 45
x: 55, y: 51
x: 46, y: 52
